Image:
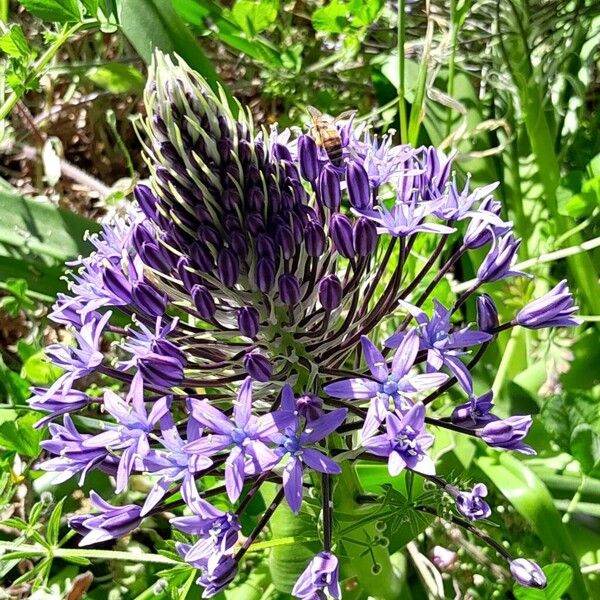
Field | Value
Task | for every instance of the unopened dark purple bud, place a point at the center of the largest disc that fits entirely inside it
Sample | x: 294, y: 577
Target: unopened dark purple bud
x: 202, y: 256
x: 237, y: 241
x: 365, y: 237
x: 255, y: 199
x: 230, y: 199
x: 330, y: 292
x: 228, y: 267
x: 289, y: 289
x: 308, y: 156
x: 341, y: 233
x: 154, y: 257
x: 285, y: 240
x: 148, y: 299
x: 208, y: 234
x: 187, y: 276
x: 258, y: 366
x: 265, y: 275
x: 204, y: 302
x: 329, y: 188
x: 231, y: 222
x: 487, y: 313
x: 146, y: 200
x: 248, y: 321
x: 255, y: 223
x: 358, y: 186
x: 281, y: 152
x: 117, y: 284
x: 265, y: 247
x: 314, y: 239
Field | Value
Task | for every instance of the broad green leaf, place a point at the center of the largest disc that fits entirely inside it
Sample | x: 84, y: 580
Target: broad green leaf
x: 585, y: 447
x: 20, y: 436
x: 288, y: 561
x: 227, y: 30
x: 559, y: 577
x: 14, y: 43
x: 365, y: 12
x: 57, y: 11
x: 331, y: 18
x: 154, y: 24
x: 39, y: 371
x: 254, y: 16
x: 117, y: 78
x: 528, y: 494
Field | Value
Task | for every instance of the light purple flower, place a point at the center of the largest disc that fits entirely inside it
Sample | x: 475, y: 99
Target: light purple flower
x: 390, y: 388
x: 247, y: 434
x: 72, y: 457
x: 527, y: 573
x: 471, y: 504
x: 554, y: 309
x: 134, y: 425
x: 293, y: 444
x: 320, y: 576
x: 81, y: 360
x: 475, y: 413
x: 218, y: 530
x: 110, y: 523
x: 458, y: 205
x: 405, y: 218
x: 404, y: 442
x: 443, y: 345
x: 175, y: 464
x: 508, y: 433
x: 499, y: 261
x: 57, y: 404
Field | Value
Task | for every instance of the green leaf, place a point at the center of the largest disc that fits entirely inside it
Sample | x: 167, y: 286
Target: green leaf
x: 57, y: 11
x: 20, y: 436
x: 228, y: 31
x: 573, y: 422
x: 528, y: 494
x: 365, y: 12
x: 39, y: 371
x: 117, y: 78
x: 152, y: 24
x: 331, y: 18
x: 559, y: 577
x: 14, y: 43
x: 288, y: 561
x: 53, y: 527
x: 254, y: 16
x: 36, y: 238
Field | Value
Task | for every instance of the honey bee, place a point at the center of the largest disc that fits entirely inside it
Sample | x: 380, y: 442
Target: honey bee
x: 324, y: 131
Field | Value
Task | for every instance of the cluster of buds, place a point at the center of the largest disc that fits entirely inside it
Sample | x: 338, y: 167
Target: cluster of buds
x: 242, y: 295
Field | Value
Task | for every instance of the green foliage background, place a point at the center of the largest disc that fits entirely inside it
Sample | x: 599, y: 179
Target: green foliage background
x: 512, y: 86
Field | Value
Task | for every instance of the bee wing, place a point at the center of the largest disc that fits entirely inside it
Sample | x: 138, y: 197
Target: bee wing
x: 314, y: 112
x: 347, y: 114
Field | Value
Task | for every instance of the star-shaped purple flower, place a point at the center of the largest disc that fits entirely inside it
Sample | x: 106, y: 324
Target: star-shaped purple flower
x: 293, y: 443
x: 404, y: 442
x: 443, y: 345
x: 247, y: 435
x: 390, y: 388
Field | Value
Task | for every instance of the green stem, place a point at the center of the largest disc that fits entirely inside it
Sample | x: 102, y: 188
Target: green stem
x: 401, y: 71
x: 38, y: 67
x: 452, y: 62
x: 35, y: 550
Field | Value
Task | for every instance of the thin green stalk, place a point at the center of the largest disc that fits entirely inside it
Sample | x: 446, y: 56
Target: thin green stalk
x: 452, y: 62
x: 39, y: 66
x: 401, y: 70
x: 4, y: 11
x: 33, y: 550
x: 418, y: 107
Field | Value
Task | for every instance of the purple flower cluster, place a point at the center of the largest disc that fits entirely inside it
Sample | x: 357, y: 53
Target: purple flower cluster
x: 252, y: 274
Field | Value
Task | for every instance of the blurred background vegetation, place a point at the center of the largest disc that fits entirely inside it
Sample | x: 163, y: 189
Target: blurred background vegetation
x: 511, y: 86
